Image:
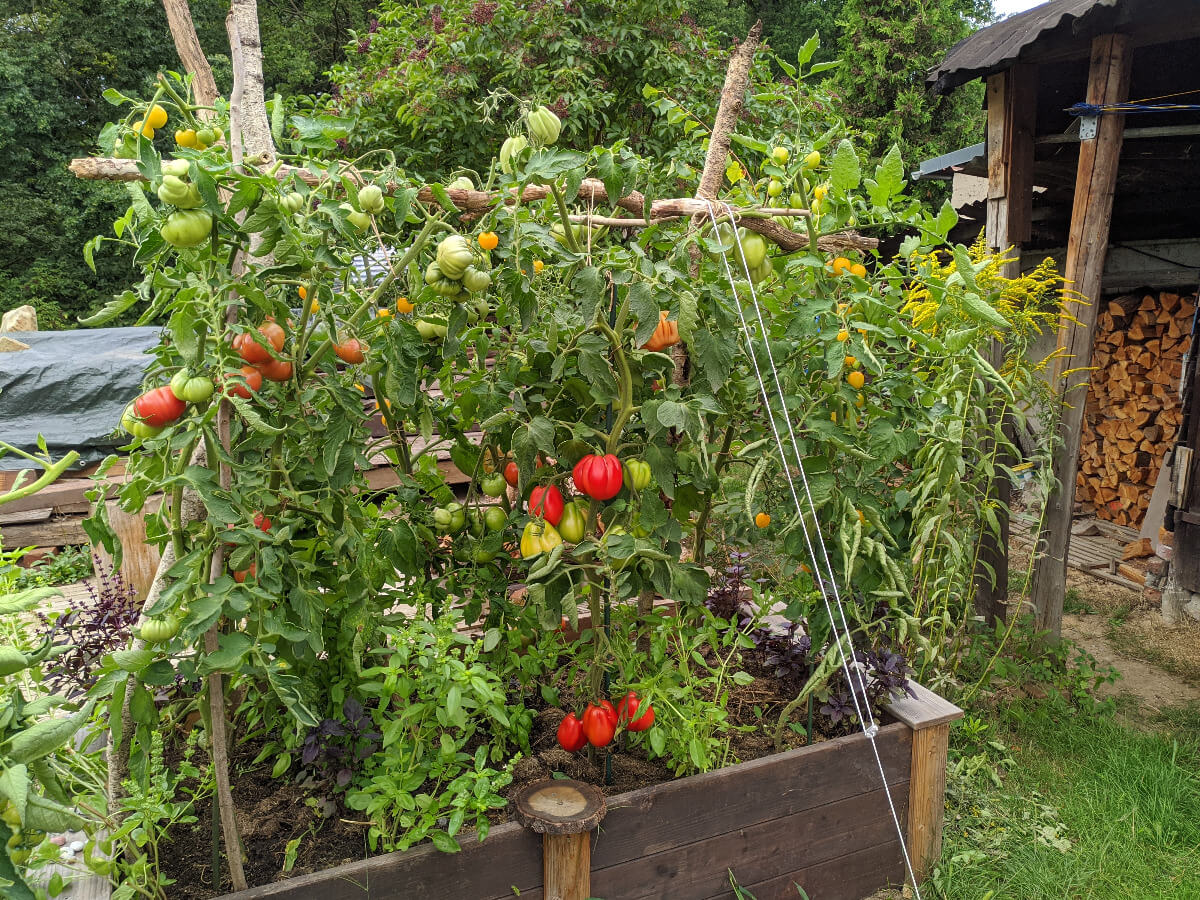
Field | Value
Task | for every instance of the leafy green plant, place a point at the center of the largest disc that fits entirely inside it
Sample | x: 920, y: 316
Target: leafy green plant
x: 433, y: 700
x: 68, y: 565
x: 150, y: 808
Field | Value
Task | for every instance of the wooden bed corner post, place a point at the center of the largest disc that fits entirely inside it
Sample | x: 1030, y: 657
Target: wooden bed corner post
x: 1011, y: 119
x: 564, y: 812
x: 1087, y: 246
x: 929, y: 716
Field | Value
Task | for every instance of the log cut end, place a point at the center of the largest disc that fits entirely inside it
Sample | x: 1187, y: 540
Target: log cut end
x: 560, y: 806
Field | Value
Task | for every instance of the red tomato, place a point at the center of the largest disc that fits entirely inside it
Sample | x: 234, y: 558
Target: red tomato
x: 276, y: 370
x: 252, y: 352
x: 599, y: 724
x: 241, y: 384
x: 159, y: 407
x: 546, y: 502
x: 349, y: 351
x: 264, y: 524
x: 570, y: 734
x: 627, y: 713
x: 512, y: 474
x: 240, y: 575
x: 598, y: 476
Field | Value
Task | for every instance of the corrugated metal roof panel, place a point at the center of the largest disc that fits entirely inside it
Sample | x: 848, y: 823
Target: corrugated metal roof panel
x: 997, y: 46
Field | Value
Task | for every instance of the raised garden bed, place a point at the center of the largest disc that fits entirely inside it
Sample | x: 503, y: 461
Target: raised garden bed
x: 816, y: 816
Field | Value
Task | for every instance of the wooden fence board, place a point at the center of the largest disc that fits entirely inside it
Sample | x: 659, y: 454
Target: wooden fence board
x: 848, y: 877
x: 663, y: 816
x: 778, y: 848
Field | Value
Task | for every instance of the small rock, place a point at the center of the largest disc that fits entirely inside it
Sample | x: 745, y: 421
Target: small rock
x: 58, y: 840
x: 68, y: 853
x: 1192, y: 608
x: 23, y: 318
x: 11, y: 345
x: 78, y: 846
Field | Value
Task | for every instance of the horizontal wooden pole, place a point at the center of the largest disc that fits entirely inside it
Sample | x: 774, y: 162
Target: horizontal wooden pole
x: 592, y: 190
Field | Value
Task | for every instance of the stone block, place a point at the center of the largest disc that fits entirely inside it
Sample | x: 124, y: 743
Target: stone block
x: 23, y: 318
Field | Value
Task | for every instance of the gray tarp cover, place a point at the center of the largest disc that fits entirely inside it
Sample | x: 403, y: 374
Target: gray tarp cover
x: 71, y: 386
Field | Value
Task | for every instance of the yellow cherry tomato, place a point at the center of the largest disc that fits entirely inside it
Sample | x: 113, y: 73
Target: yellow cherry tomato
x: 156, y: 117
x: 841, y: 265
x: 819, y: 192
x: 488, y: 240
x: 843, y: 335
x: 858, y: 269
x: 384, y: 313
x: 144, y: 129
x: 856, y: 380
x: 762, y: 520
x: 851, y: 362
x: 860, y: 401
x: 186, y: 137
x: 812, y: 160
x: 861, y: 517
x: 303, y: 292
x: 314, y: 307
x: 538, y: 265
x: 403, y: 306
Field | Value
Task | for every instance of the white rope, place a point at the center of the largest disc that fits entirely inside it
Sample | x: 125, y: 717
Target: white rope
x: 866, y: 722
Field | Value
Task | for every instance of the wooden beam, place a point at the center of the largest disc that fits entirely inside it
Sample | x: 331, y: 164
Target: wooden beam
x: 1012, y: 109
x: 1095, y: 181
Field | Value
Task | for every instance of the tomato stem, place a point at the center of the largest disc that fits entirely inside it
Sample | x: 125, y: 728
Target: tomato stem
x: 568, y: 229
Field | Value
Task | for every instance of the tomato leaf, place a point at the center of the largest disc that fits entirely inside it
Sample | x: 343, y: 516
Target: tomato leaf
x: 846, y: 171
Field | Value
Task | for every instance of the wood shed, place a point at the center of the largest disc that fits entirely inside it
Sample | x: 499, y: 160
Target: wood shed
x: 1092, y: 156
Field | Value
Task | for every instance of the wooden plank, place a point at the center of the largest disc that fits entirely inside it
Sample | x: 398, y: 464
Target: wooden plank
x: 64, y: 492
x: 1096, y: 175
x: 24, y: 517
x: 508, y: 862
x: 51, y: 533
x: 787, y: 847
x: 139, y: 560
x: 924, y: 709
x: 849, y: 877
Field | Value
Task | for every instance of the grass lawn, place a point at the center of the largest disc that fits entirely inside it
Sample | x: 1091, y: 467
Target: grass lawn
x: 1051, y: 801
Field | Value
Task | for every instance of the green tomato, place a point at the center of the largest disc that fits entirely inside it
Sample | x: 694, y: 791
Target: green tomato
x: 495, y: 518
x: 370, y: 199
x: 454, y: 254
x: 445, y: 287
x: 433, y: 273
x: 206, y: 137
x: 187, y: 228
x: 293, y: 202
x: 159, y: 629
x: 483, y: 555
x: 780, y: 156
x: 461, y: 183
x: 511, y: 147
x: 458, y: 515
x: 431, y: 330
x: 796, y: 201
x: 637, y: 474
x: 574, y: 519
x: 476, y: 280
x: 774, y: 187
x: 359, y: 220
x: 191, y: 388
x: 442, y: 519
x: 475, y: 524
x: 755, y: 248
x: 135, y: 426
x: 493, y: 484
x: 177, y: 167
x: 544, y: 127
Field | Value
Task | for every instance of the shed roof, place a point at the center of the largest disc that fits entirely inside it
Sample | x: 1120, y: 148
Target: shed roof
x: 996, y: 47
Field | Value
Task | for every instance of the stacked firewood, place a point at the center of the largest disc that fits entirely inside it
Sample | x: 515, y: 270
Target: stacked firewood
x: 1133, y: 409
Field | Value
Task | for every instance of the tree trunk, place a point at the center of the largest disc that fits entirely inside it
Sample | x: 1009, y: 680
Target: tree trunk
x: 187, y: 45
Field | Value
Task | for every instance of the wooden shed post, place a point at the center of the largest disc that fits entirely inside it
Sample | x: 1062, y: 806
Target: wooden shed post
x: 1012, y: 109
x: 1095, y: 181
x: 929, y: 716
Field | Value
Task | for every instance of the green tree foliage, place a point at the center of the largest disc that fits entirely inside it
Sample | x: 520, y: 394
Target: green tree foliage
x: 887, y: 47
x: 787, y: 24
x: 437, y: 84
x: 56, y: 59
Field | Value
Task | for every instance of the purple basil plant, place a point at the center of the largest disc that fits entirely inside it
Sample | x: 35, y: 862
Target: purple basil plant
x: 93, y: 627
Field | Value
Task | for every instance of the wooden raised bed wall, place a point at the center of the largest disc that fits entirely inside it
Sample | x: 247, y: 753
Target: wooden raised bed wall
x: 816, y: 816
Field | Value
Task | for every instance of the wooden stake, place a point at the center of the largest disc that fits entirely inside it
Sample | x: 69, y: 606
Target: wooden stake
x: 1095, y: 180
x: 564, y: 812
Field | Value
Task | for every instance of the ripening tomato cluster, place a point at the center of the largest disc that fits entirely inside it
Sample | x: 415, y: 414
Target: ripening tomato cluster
x: 597, y: 476
x: 154, y: 410
x: 600, y: 722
